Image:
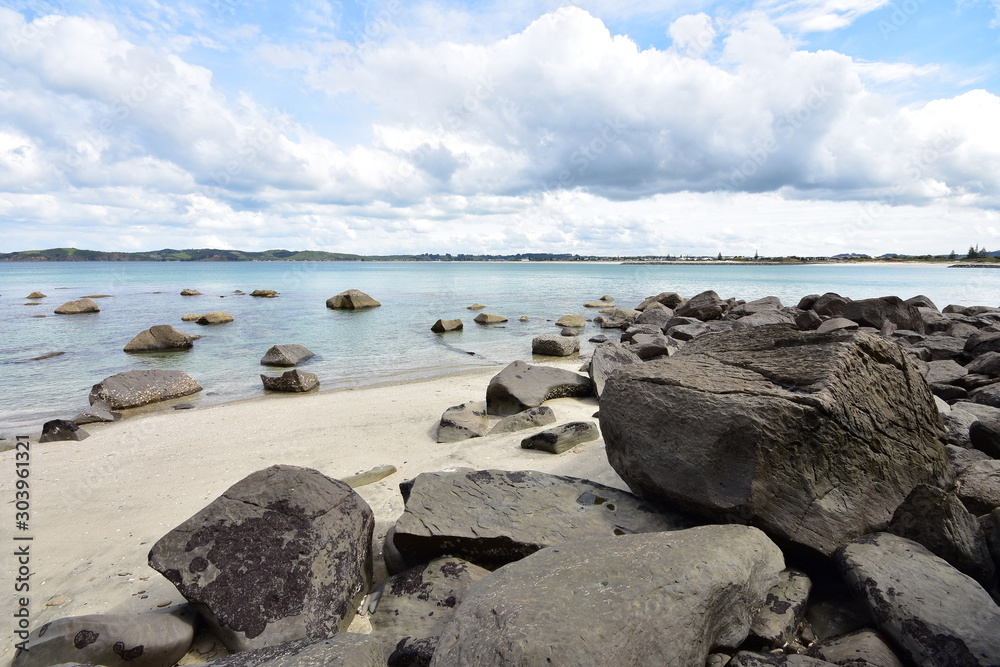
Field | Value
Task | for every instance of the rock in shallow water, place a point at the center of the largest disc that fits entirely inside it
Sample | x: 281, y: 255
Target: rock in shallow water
x: 286, y: 355
x: 134, y: 388
x: 351, y: 299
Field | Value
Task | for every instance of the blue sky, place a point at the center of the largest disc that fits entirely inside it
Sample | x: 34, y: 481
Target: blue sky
x: 806, y: 127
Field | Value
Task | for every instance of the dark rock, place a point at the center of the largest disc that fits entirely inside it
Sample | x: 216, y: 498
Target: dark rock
x: 569, y: 331
x: 417, y: 604
x: 351, y: 299
x: 784, y: 607
x: 286, y: 355
x: 807, y: 302
x: 934, y: 321
x: 558, y: 439
x: 948, y: 392
x: 982, y: 342
x: 599, y: 338
x: 985, y: 436
x: 766, y: 304
x: 61, y: 429
x: 521, y: 386
x: 668, y: 299
x: 487, y: 318
x: 656, y: 316
x: 837, y: 324
x: 77, y: 307
x: 978, y: 486
x: 960, y: 418
x: 648, y: 346
x: 833, y: 611
x: 864, y: 648
x: 293, y: 381
x: 808, y: 320
x: 945, y: 371
x: 555, y: 346
x: 493, y: 517
x: 134, y: 388
x: 283, y: 554
x: 461, y: 422
x: 942, y: 346
x: 686, y: 332
x: 938, y: 520
x: 815, y: 438
x: 704, y: 306
x: 609, y: 357
x: 961, y: 459
x: 442, y: 326
x: 830, y: 304
x: 988, y: 395
x: 936, y: 614
x: 677, y: 595
x: 343, y: 650
x: 629, y: 334
x: 752, y: 659
x: 974, y: 381
x: 987, y: 363
x: 215, y: 317
x: 155, y: 639
x: 530, y: 418
x: 160, y: 337
x: 920, y: 301
x: 98, y: 412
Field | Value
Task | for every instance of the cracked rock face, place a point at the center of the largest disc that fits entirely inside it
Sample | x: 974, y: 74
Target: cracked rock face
x: 816, y: 438
x: 283, y: 554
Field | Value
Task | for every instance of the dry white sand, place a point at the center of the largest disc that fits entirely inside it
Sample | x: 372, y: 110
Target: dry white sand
x: 99, y: 505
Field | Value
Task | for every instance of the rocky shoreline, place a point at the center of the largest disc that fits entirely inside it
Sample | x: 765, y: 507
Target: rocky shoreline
x: 807, y: 485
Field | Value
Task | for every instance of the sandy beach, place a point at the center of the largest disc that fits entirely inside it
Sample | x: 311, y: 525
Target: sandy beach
x: 100, y: 504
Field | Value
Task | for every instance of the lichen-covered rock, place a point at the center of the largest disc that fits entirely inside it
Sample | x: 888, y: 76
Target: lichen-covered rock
x: 816, y: 438
x: 520, y: 386
x: 555, y: 346
x: 293, y: 381
x: 461, y: 422
x: 493, y: 517
x: 936, y: 614
x: 78, y: 307
x: 532, y: 417
x: 351, y: 299
x: 286, y: 355
x: 155, y: 639
x: 159, y: 337
x: 658, y: 599
x: 134, y: 388
x: 283, y: 554
x: 560, y: 438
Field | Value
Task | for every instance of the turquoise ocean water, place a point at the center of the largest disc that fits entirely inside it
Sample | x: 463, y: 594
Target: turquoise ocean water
x: 390, y: 343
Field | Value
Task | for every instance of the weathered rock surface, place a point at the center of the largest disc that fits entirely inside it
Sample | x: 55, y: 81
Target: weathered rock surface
x: 351, y: 299
x: 763, y: 318
x: 442, y: 326
x: 156, y: 639
x: 864, y: 648
x: 607, y: 358
x: 753, y: 659
x: 159, y: 337
x: 945, y: 371
x: 461, y: 422
x: 985, y: 364
x: 343, y: 650
x: 78, y: 307
x: 837, y: 324
x: 190, y: 292
x: 669, y: 299
x: 939, y: 521
x: 936, y: 614
x: 704, y: 306
x: 576, y: 321
x: 783, y: 610
x: 978, y: 487
x: 616, y: 318
x: 61, y: 429
x: 265, y: 293
x: 815, y: 438
x: 293, y: 381
x: 560, y: 438
x: 134, y: 388
x: 215, y: 317
x: 520, y: 386
x: 876, y: 312
x: 941, y: 346
x: 416, y: 605
x: 489, y: 318
x: 286, y: 355
x: 830, y: 304
x: 555, y: 346
x: 530, y: 418
x: 283, y: 554
x: 98, y: 412
x: 659, y: 599
x: 493, y: 517
x: 808, y: 320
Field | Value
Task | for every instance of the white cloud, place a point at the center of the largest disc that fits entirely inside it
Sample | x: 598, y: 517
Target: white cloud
x: 693, y: 34
x: 818, y: 15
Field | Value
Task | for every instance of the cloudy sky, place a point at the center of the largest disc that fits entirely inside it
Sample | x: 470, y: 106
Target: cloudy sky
x: 808, y: 127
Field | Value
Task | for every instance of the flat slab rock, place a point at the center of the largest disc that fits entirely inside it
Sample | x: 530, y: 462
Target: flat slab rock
x: 156, y: 639
x: 520, y: 386
x: 283, y: 554
x: 530, y: 418
x: 134, y: 388
x: 936, y: 614
x: 493, y: 517
x: 658, y: 599
x: 816, y: 438
x: 558, y: 439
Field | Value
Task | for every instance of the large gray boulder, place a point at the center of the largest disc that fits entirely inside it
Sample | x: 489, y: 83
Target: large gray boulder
x: 492, y: 517
x: 659, y: 599
x: 294, y: 381
x: 607, y: 358
x: 283, y: 554
x: 704, y: 306
x: 520, y: 386
x: 816, y: 438
x: 669, y: 299
x: 159, y: 337
x: 555, y: 346
x: 155, y: 639
x: 936, y: 614
x: 830, y: 304
x: 134, y: 388
x: 343, y: 650
x: 414, y: 606
x: 877, y: 312
x: 351, y: 299
x: 286, y: 355
x: 978, y: 487
x: 461, y: 422
x: 530, y: 418
x: 78, y: 307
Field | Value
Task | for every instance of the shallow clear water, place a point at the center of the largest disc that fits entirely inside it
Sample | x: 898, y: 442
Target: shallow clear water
x: 357, y: 348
